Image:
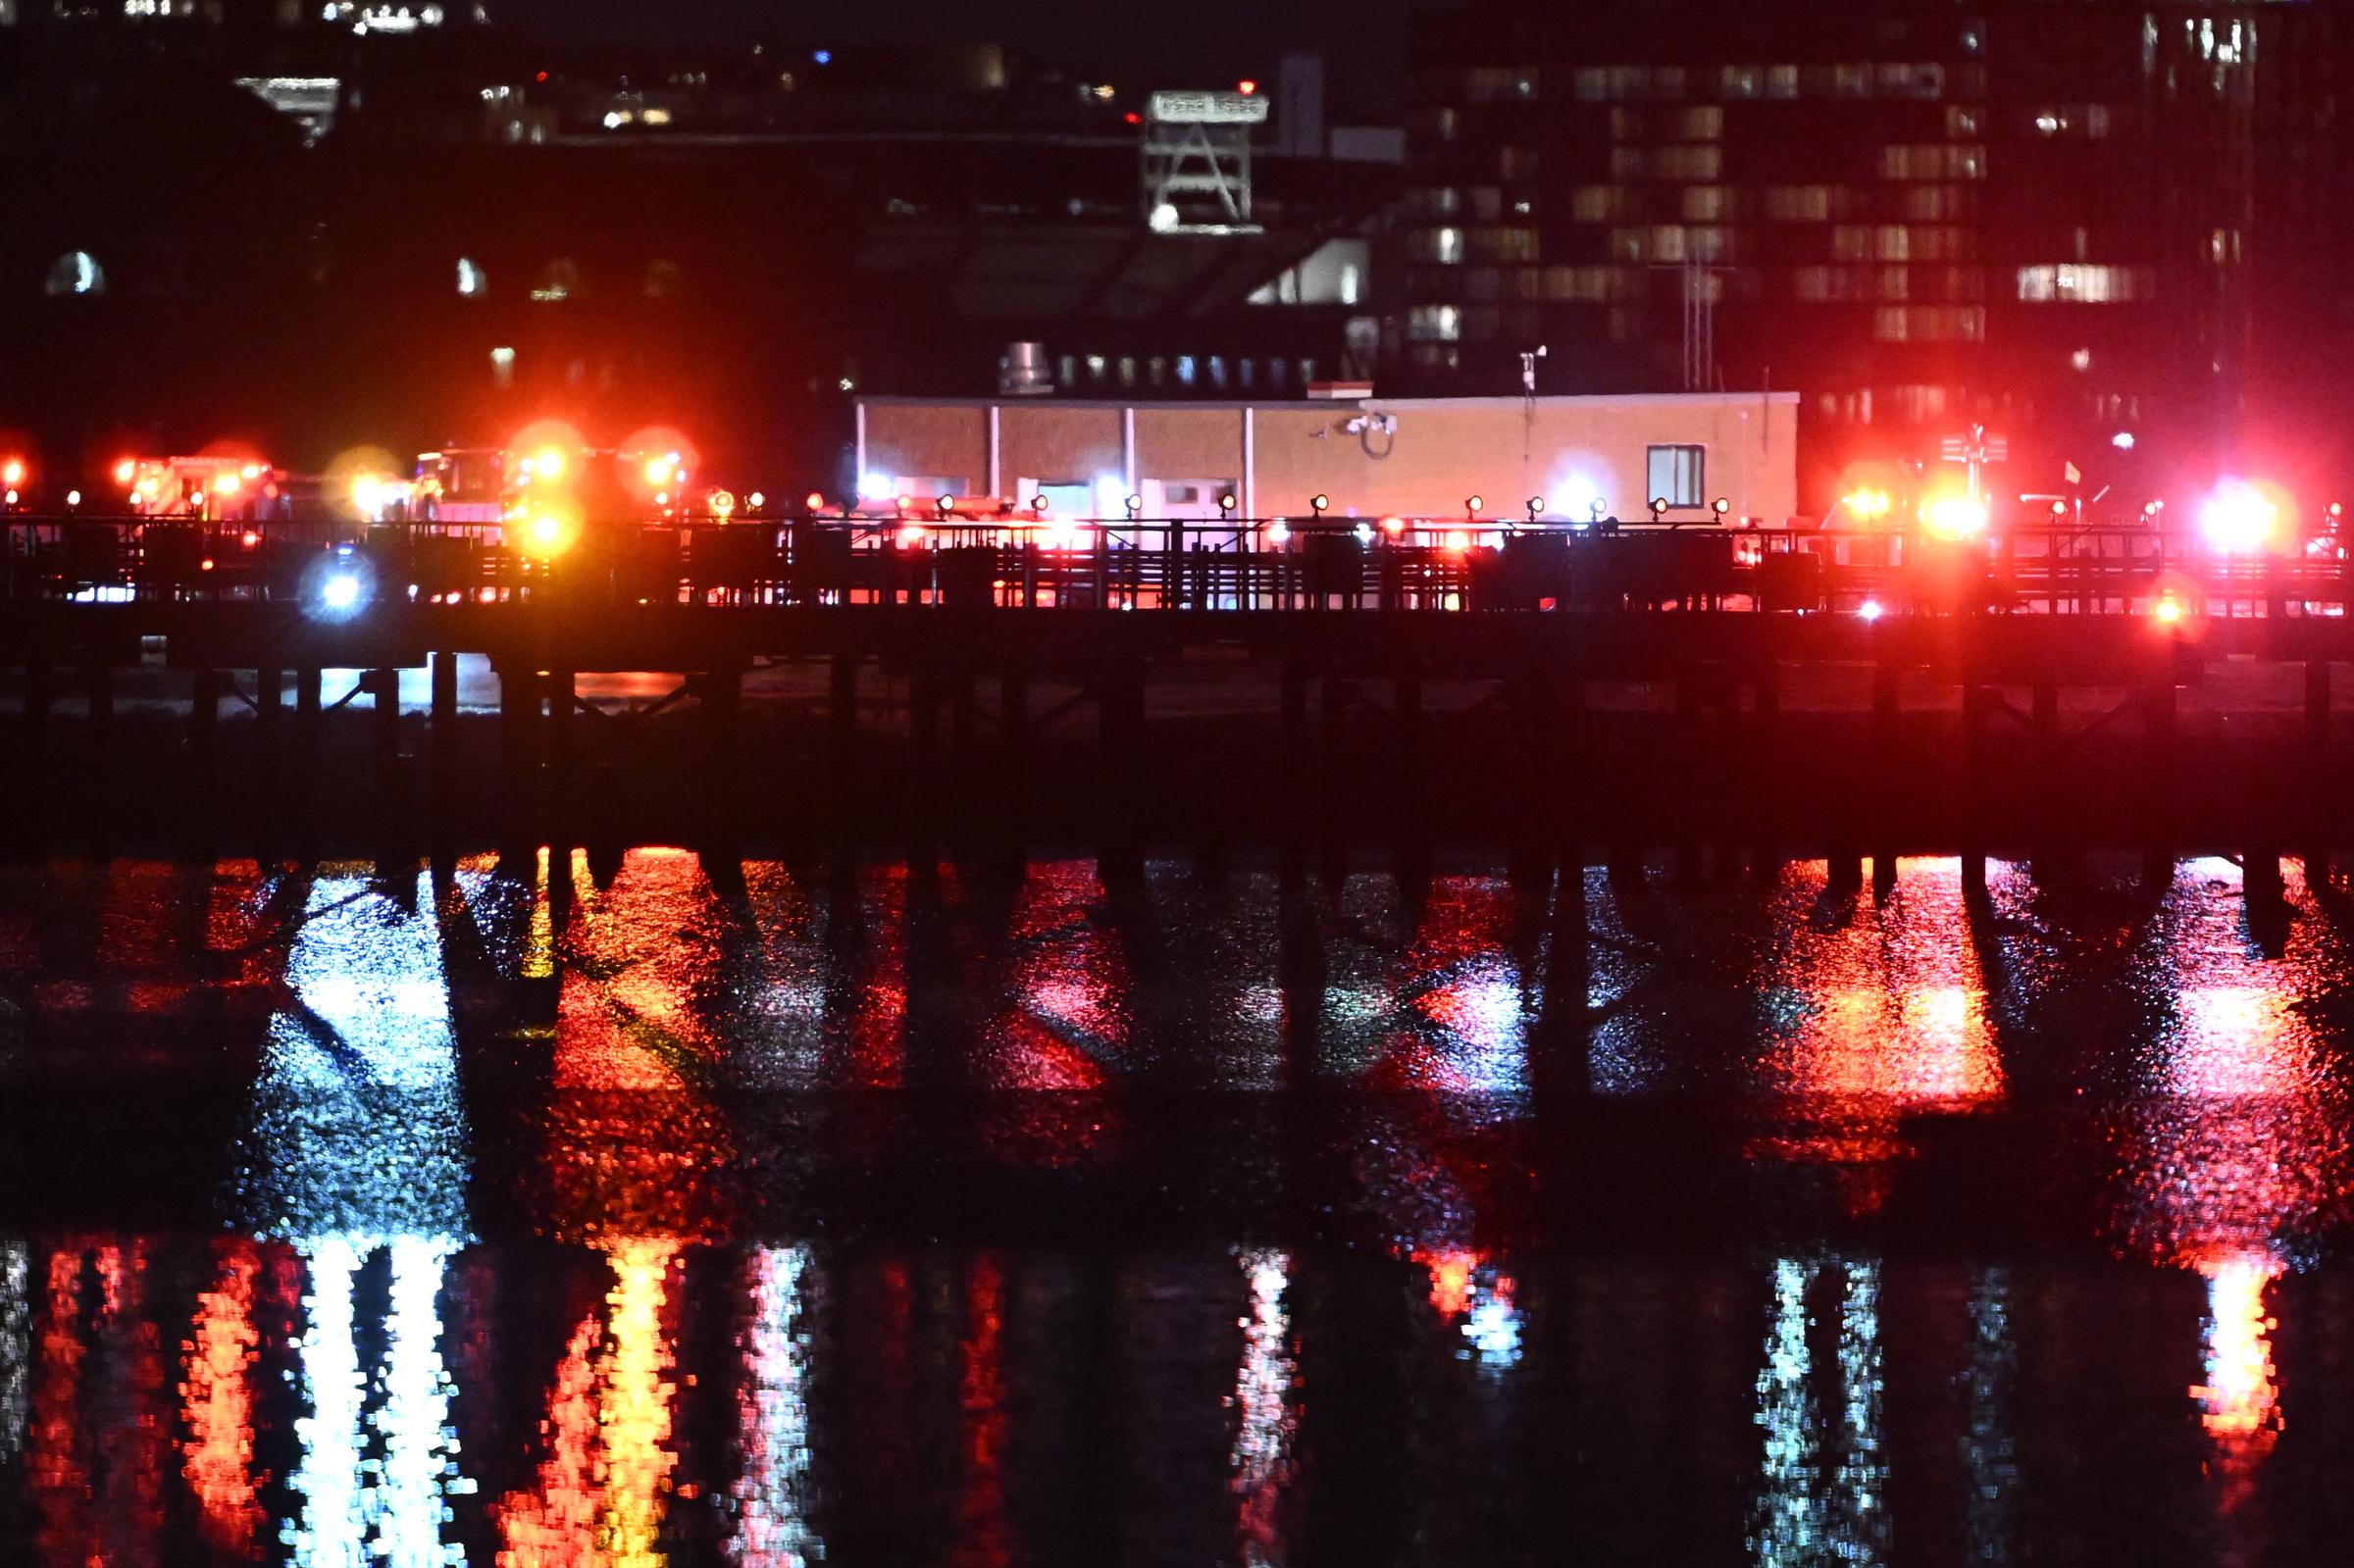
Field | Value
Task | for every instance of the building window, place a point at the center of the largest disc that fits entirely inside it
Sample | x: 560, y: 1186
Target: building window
x: 1798, y: 204
x: 1442, y: 245
x: 76, y: 272
x: 1678, y: 475
x: 2079, y: 285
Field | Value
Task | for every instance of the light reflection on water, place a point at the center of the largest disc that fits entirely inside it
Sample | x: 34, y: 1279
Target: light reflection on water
x: 727, y: 1132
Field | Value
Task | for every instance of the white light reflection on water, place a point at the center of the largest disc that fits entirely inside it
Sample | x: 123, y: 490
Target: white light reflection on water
x: 1783, y: 1527
x: 330, y: 1533
x: 1262, y: 1460
x: 1801, y: 1514
x: 420, y: 1447
x: 1990, y: 1451
x: 358, y: 1129
x: 16, y: 1346
x: 358, y: 1145
x: 772, y: 1497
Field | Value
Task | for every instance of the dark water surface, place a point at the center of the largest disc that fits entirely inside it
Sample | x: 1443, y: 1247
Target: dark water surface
x: 451, y: 1217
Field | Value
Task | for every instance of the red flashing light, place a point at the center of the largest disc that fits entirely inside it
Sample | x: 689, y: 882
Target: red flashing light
x: 1133, y: 118
x: 542, y: 77
x: 1246, y: 87
x: 813, y: 501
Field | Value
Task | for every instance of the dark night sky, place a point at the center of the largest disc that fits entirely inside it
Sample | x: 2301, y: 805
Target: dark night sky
x: 1178, y: 43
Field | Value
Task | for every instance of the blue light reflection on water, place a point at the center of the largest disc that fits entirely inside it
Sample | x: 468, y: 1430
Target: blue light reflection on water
x: 357, y: 1146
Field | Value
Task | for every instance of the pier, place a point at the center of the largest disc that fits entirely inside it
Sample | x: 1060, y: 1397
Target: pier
x: 1310, y: 690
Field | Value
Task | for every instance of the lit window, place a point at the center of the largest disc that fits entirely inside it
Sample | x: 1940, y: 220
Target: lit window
x: 1798, y: 203
x: 1706, y: 203
x: 1442, y: 245
x: 1432, y: 323
x: 2079, y: 284
x: 1598, y: 204
x: 76, y: 272
x: 1677, y: 474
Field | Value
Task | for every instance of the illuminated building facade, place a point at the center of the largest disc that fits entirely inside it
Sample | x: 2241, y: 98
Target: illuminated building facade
x: 1563, y: 459
x: 2071, y: 222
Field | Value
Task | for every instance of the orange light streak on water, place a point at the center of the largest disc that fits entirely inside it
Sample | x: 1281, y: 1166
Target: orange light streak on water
x: 605, y: 1487
x: 216, y: 1402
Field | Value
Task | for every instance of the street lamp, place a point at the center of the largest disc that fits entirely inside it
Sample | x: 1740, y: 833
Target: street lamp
x: 1317, y: 504
x: 1536, y: 505
x: 1472, y: 505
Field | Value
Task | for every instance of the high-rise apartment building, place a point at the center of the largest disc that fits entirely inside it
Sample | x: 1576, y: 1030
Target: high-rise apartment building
x: 2103, y: 227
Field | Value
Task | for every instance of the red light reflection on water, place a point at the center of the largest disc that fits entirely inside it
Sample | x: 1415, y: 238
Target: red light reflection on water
x: 217, y: 1400
x: 97, y: 1451
x: 2237, y: 1403
x: 1064, y: 1011
x: 1891, y: 1019
x: 2234, y: 1145
x: 984, y: 1536
x: 634, y: 1143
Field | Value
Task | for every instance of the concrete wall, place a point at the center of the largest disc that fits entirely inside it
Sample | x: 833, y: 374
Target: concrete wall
x: 1568, y: 450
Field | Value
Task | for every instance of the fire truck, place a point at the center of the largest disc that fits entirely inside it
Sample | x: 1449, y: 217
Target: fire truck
x: 215, y: 488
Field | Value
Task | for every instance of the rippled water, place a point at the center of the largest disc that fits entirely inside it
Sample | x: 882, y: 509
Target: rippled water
x: 619, y: 1217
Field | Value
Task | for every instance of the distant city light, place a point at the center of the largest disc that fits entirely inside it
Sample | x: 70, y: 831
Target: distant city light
x: 824, y: 56
x: 2122, y: 440
x: 1869, y: 610
x: 341, y: 592
x: 875, y: 486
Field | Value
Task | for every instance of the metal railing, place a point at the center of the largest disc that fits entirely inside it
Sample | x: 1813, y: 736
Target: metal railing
x: 1227, y: 564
